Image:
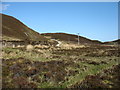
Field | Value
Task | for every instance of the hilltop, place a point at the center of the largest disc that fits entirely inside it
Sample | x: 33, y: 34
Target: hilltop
x: 113, y: 42
x: 70, y: 38
x: 13, y: 29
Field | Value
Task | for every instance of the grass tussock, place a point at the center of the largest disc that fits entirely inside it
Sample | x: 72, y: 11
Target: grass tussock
x: 60, y: 67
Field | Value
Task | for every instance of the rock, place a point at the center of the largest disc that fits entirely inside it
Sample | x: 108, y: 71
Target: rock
x: 29, y: 47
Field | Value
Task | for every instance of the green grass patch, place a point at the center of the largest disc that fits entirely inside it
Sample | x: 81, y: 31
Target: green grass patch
x: 93, y: 69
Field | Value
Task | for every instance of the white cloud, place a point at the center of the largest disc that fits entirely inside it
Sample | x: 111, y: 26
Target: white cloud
x: 3, y: 6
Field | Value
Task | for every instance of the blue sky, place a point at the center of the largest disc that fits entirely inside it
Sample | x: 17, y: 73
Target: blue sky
x: 94, y: 20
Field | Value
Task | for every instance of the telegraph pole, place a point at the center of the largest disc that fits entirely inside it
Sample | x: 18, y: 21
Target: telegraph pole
x: 78, y: 39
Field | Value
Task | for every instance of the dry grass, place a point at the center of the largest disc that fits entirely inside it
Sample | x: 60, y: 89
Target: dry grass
x: 64, y: 45
x: 55, y: 67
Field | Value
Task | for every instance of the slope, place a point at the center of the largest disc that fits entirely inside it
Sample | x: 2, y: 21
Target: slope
x: 13, y: 29
x: 70, y: 38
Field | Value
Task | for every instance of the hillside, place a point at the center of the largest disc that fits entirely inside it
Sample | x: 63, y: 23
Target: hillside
x: 118, y: 41
x: 113, y: 42
x: 13, y: 29
x: 70, y: 38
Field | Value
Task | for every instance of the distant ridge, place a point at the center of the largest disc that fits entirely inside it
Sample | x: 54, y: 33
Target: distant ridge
x: 71, y: 38
x: 113, y: 42
x: 13, y: 29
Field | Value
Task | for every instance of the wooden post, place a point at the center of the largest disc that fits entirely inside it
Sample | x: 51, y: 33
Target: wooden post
x: 78, y: 39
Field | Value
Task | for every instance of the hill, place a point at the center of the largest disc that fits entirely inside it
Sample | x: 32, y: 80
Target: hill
x: 13, y: 29
x: 118, y: 41
x: 113, y: 42
x: 70, y: 38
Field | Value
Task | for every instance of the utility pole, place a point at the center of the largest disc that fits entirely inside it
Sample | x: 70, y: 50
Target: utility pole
x: 78, y: 39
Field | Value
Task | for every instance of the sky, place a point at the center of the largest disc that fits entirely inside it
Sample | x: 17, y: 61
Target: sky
x: 93, y: 20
